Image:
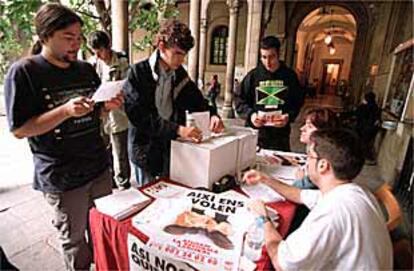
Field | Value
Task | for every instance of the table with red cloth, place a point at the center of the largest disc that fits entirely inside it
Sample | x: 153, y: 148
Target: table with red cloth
x: 109, y: 236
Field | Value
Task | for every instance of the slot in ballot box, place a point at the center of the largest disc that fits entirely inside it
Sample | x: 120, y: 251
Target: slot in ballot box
x: 202, y: 164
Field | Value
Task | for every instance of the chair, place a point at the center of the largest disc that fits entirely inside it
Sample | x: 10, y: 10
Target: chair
x: 385, y: 196
x: 403, y: 255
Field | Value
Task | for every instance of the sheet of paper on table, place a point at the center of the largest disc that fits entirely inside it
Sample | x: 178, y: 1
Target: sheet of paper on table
x: 284, y: 174
x: 262, y: 192
x: 122, y: 204
x: 275, y: 158
x: 108, y: 90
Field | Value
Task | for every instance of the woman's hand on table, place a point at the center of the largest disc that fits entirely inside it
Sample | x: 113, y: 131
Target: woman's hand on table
x: 253, y: 177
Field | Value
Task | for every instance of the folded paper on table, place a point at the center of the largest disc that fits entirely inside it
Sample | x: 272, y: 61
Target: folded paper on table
x: 122, y: 204
x: 108, y: 90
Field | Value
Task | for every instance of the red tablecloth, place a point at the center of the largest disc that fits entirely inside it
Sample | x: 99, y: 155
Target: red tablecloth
x: 110, y: 237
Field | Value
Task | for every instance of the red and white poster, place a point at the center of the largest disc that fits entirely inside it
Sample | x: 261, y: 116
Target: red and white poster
x: 142, y: 257
x: 200, y: 228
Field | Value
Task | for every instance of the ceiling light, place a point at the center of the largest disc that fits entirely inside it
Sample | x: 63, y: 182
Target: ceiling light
x: 331, y: 49
x: 328, y: 38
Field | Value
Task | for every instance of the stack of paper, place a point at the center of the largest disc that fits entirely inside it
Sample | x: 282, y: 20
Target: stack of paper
x: 122, y: 204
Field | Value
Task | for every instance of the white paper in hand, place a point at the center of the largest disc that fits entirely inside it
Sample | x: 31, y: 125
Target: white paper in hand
x: 202, y: 121
x: 107, y: 91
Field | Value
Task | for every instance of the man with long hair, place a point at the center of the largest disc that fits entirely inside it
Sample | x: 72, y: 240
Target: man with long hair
x: 48, y: 102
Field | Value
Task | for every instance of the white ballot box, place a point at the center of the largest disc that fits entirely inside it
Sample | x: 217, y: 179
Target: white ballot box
x: 247, y: 142
x: 200, y: 165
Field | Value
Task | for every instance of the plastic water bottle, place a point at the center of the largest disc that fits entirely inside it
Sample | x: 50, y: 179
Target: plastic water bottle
x: 254, y: 241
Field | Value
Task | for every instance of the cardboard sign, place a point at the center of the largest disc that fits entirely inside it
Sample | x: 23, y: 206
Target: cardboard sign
x: 203, y: 229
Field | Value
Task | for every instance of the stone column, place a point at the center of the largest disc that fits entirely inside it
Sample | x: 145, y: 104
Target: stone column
x: 120, y: 25
x: 231, y: 58
x: 194, y: 27
x: 254, y: 19
x: 203, y: 46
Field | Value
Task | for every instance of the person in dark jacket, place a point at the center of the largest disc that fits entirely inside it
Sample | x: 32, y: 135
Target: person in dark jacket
x: 213, y: 90
x: 368, y: 116
x: 158, y: 92
x: 273, y: 134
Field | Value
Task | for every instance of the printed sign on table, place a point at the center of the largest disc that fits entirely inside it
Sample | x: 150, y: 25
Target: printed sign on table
x: 201, y: 228
x: 142, y: 257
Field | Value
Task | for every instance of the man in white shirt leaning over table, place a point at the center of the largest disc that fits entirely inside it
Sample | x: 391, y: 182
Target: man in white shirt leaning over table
x: 345, y: 229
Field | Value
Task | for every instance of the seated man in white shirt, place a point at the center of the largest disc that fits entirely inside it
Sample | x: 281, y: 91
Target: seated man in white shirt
x: 345, y: 229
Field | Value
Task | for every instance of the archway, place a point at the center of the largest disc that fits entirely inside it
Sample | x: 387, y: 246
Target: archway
x: 363, y: 17
x: 324, y: 46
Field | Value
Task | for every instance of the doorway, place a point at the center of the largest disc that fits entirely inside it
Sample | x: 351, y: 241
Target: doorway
x: 330, y: 75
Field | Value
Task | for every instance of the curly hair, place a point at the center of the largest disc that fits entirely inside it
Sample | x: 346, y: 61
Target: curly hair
x: 174, y: 33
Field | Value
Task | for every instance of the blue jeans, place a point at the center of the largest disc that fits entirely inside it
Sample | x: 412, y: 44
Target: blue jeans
x: 142, y: 176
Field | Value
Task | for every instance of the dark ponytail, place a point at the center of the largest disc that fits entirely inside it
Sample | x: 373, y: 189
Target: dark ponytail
x: 36, y: 48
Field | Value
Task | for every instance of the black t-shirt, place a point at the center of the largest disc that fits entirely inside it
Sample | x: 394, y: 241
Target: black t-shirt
x: 73, y: 153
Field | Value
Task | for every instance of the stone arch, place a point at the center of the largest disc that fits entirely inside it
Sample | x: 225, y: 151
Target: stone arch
x: 363, y: 17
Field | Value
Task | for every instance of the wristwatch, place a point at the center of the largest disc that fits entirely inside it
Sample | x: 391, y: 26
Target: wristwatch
x: 263, y: 219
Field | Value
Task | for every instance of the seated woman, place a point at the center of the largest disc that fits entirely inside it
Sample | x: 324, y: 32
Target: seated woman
x: 315, y: 119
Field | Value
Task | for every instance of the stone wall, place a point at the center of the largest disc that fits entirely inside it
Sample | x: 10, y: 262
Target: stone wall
x: 391, y: 29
